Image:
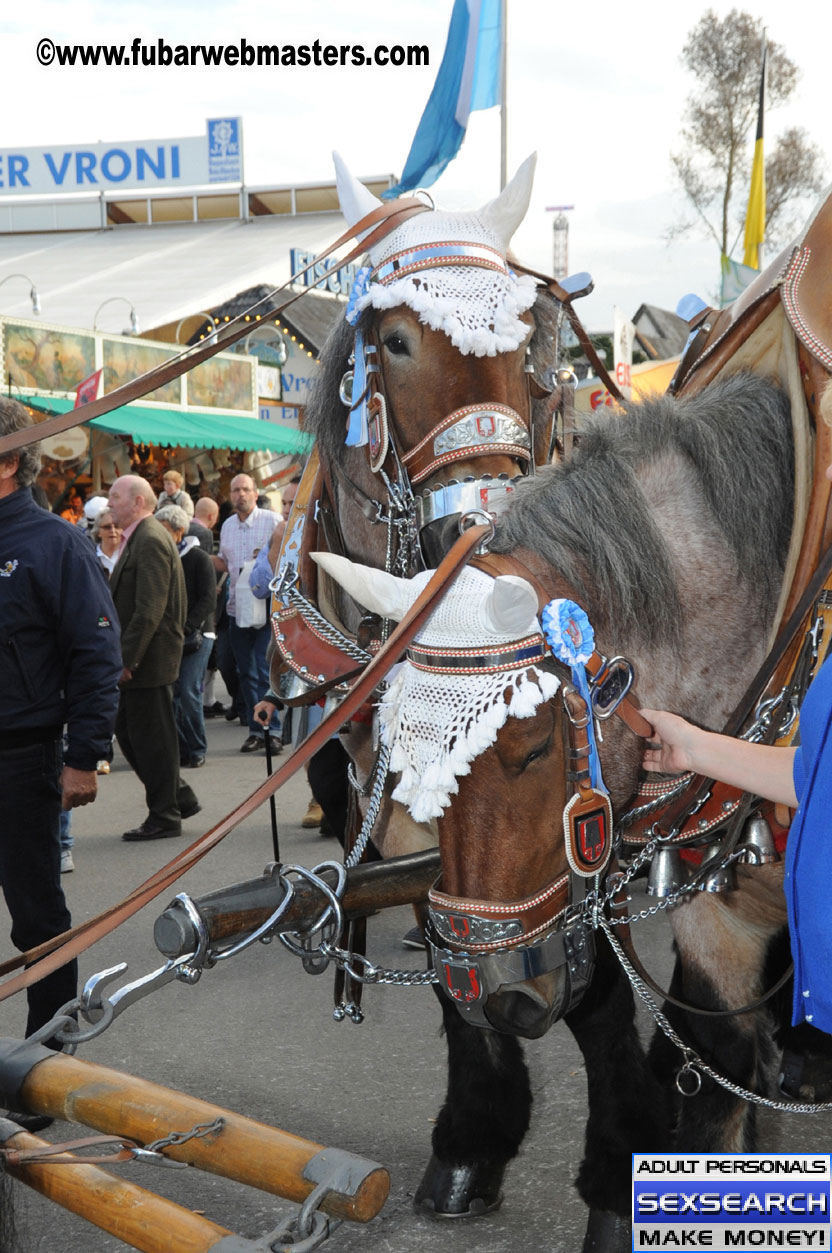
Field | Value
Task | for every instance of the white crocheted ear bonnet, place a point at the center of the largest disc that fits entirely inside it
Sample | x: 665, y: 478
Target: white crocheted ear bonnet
x: 438, y: 713
x: 450, y: 268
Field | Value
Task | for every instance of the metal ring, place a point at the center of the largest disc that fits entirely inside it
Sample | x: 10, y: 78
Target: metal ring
x: 694, y: 1074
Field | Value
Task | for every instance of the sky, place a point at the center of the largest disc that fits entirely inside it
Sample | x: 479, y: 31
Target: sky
x: 597, y: 90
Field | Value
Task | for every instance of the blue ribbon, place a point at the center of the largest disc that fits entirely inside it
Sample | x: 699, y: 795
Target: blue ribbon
x: 357, y: 429
x: 569, y: 634
x: 360, y: 287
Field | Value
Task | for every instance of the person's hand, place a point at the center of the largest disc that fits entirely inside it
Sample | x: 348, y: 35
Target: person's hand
x: 78, y: 787
x: 263, y: 711
x: 126, y: 675
x: 670, y: 749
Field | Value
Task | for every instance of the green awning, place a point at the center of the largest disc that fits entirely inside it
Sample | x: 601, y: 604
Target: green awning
x: 189, y: 430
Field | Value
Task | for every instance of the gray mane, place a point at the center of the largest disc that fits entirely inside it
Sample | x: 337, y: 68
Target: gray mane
x: 590, y: 519
x: 325, y: 416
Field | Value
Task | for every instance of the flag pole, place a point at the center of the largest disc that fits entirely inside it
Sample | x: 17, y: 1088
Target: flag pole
x: 503, y: 97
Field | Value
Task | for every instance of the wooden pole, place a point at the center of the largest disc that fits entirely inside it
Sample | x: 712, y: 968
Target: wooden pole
x: 134, y: 1215
x: 251, y: 1152
x: 233, y: 911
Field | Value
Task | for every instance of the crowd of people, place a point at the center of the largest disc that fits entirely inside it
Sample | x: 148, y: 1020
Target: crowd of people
x: 225, y: 628
x: 115, y: 615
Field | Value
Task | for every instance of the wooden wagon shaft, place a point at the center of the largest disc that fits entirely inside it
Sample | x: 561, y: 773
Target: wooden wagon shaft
x: 234, y: 911
x: 252, y: 1153
x: 134, y: 1215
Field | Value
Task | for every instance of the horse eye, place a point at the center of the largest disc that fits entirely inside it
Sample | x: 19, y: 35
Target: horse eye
x: 537, y: 753
x: 396, y: 345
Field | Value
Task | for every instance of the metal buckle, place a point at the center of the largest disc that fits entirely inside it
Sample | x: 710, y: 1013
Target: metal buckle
x: 610, y: 685
x: 478, y: 517
x: 284, y: 581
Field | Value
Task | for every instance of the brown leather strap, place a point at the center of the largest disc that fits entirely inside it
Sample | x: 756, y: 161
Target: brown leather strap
x: 564, y: 298
x: 627, y: 944
x: 65, y: 947
x: 58, y: 1154
x: 378, y: 223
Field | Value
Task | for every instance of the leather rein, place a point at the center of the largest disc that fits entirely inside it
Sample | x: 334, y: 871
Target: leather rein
x: 58, y: 951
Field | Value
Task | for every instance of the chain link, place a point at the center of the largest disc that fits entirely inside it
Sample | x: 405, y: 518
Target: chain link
x: 198, y: 1132
x: 372, y: 974
x: 330, y: 634
x: 378, y: 780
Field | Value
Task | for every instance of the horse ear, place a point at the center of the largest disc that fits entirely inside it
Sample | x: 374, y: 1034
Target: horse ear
x: 376, y: 590
x: 512, y: 606
x: 354, y: 198
x: 505, y: 214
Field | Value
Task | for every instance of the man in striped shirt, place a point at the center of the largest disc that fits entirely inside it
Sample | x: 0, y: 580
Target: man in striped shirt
x: 243, y: 534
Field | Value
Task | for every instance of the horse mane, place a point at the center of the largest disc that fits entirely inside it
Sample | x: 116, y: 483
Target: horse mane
x: 590, y: 519
x: 325, y: 415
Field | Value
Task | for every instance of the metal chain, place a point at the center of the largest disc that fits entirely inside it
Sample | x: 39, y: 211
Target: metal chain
x: 329, y: 633
x: 694, y: 1064
x: 198, y: 1132
x: 375, y: 974
x: 379, y: 777
x: 639, y: 811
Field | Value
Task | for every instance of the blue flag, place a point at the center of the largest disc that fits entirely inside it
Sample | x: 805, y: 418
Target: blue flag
x: 469, y: 78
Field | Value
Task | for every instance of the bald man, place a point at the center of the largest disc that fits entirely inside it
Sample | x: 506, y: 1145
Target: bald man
x: 148, y: 589
x: 206, y: 512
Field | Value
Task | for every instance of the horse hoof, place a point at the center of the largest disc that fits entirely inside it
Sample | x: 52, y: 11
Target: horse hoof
x: 460, y: 1191
x: 607, y: 1233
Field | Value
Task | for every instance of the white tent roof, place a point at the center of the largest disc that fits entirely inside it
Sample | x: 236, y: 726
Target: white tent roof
x: 165, y: 271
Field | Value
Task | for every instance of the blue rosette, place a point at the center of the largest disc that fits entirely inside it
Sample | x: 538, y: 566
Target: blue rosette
x: 569, y: 634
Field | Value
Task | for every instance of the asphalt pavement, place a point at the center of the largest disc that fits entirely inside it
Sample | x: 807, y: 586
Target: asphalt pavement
x: 256, y: 1035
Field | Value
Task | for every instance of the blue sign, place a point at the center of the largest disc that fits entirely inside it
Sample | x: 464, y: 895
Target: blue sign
x: 225, y: 150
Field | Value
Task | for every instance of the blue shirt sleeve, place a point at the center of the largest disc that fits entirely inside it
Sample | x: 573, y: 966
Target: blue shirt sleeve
x: 261, y: 575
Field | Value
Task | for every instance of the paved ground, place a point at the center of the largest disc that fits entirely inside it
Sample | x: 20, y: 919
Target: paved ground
x: 256, y: 1035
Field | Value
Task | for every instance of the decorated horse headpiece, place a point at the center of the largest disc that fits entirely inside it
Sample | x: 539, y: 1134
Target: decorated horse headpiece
x: 449, y: 268
x: 470, y: 668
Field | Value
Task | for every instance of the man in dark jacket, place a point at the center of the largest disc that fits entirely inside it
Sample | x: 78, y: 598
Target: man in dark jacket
x: 201, y: 594
x: 59, y: 665
x: 148, y: 589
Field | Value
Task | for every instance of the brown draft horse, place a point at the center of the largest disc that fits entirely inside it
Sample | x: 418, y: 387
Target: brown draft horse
x: 424, y: 377
x: 671, y: 528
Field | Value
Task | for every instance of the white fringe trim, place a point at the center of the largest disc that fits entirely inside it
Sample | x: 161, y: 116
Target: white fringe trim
x: 436, y: 725
x: 483, y: 321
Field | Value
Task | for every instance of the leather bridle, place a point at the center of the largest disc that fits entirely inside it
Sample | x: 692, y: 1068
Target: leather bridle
x: 478, y: 946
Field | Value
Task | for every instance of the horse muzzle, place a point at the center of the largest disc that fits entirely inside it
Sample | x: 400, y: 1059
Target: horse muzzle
x: 490, y: 988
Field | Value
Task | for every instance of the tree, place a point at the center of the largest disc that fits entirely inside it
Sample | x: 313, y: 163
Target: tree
x: 714, y: 162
